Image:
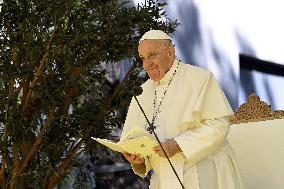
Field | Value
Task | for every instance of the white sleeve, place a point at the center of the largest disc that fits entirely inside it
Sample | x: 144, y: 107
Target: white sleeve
x: 200, y: 142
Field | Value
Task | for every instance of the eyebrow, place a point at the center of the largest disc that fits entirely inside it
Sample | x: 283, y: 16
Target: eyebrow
x: 152, y: 53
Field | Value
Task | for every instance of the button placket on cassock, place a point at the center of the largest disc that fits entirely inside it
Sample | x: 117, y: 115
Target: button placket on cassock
x: 162, y: 166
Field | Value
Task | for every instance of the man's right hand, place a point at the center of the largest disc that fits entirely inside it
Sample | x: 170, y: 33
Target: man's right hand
x: 133, y: 158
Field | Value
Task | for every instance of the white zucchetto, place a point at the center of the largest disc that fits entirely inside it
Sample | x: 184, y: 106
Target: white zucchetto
x: 155, y: 34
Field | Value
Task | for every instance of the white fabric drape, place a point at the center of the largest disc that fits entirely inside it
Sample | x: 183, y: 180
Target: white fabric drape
x: 195, y: 114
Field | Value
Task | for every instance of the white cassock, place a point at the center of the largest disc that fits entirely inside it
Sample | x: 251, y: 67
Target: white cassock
x: 195, y: 114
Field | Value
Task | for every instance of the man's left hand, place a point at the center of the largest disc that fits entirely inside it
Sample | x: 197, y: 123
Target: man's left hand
x: 170, y: 146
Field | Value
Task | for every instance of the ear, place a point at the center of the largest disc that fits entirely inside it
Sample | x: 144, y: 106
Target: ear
x: 171, y: 51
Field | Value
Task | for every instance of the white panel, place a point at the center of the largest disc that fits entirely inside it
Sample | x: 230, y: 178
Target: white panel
x: 259, y: 151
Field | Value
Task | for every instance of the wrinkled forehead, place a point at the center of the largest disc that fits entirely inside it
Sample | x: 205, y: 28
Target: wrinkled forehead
x: 153, y: 45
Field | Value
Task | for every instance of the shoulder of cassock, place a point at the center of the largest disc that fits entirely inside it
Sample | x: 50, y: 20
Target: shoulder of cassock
x: 206, y: 100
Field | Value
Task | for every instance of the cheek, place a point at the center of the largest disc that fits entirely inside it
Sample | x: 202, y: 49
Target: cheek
x: 155, y: 70
x: 163, y: 66
x: 149, y: 65
x: 155, y: 73
x: 146, y: 64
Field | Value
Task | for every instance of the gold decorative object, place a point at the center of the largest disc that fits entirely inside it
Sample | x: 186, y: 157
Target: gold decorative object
x: 255, y: 110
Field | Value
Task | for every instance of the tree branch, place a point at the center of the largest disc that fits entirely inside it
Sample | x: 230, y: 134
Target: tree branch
x: 15, y: 56
x: 4, y: 151
x: 39, y: 70
x: 15, y: 166
x: 53, y: 180
x: 37, y: 142
x: 3, y: 181
x: 106, y: 106
x: 74, y: 73
x: 4, y: 146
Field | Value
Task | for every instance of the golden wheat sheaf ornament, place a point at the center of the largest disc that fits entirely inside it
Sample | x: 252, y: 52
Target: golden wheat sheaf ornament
x: 255, y: 110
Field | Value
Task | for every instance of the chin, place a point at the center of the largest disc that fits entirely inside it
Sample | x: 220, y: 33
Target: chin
x: 155, y: 79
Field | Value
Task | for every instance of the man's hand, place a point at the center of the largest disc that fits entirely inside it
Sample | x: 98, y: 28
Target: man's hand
x: 170, y: 146
x: 133, y: 158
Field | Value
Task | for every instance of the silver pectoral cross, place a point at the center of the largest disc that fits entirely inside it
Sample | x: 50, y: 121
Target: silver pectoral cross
x: 151, y: 128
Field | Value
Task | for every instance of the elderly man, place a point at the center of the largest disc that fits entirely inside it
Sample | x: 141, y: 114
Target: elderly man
x: 190, y: 112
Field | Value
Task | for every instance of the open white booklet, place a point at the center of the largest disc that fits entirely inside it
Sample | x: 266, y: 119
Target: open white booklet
x: 136, y: 141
